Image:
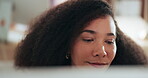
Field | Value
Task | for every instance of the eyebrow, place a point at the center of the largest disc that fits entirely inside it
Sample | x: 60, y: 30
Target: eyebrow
x: 89, y: 31
x: 93, y: 32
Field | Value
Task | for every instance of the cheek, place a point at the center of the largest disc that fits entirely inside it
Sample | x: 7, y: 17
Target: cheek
x: 111, y: 52
x: 81, y: 50
x: 79, y: 53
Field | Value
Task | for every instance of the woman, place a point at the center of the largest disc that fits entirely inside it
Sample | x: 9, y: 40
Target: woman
x: 78, y: 33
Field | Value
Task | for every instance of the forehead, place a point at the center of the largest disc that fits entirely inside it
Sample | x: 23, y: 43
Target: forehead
x: 102, y: 25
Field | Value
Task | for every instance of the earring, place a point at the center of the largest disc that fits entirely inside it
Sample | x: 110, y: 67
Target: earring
x: 67, y: 56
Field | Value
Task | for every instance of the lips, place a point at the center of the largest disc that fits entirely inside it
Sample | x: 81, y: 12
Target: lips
x: 98, y: 64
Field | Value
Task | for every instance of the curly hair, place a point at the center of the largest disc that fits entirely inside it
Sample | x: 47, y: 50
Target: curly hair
x: 51, y: 36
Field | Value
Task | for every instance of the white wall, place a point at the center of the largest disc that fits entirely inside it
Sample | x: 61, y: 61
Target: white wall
x: 5, y: 15
x: 128, y: 7
x: 25, y: 10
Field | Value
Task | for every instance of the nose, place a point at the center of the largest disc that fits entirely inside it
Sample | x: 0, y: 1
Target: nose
x: 99, y: 51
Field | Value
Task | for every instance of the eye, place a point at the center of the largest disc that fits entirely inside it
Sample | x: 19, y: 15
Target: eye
x: 88, y: 40
x: 109, y: 42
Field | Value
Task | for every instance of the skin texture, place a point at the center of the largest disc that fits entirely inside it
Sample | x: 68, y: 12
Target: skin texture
x: 96, y: 45
x: 53, y: 34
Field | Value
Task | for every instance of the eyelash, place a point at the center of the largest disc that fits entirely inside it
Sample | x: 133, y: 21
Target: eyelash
x: 88, y: 40
x: 109, y: 42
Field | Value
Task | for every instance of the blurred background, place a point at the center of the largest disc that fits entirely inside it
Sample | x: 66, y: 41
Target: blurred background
x: 15, y: 16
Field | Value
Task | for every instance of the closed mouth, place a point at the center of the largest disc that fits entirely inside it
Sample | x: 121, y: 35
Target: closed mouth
x: 98, y: 64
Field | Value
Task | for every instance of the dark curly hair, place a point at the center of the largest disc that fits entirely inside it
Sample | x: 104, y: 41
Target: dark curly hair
x: 51, y: 36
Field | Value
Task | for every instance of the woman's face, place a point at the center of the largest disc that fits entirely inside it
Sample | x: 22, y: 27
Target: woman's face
x: 96, y: 45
